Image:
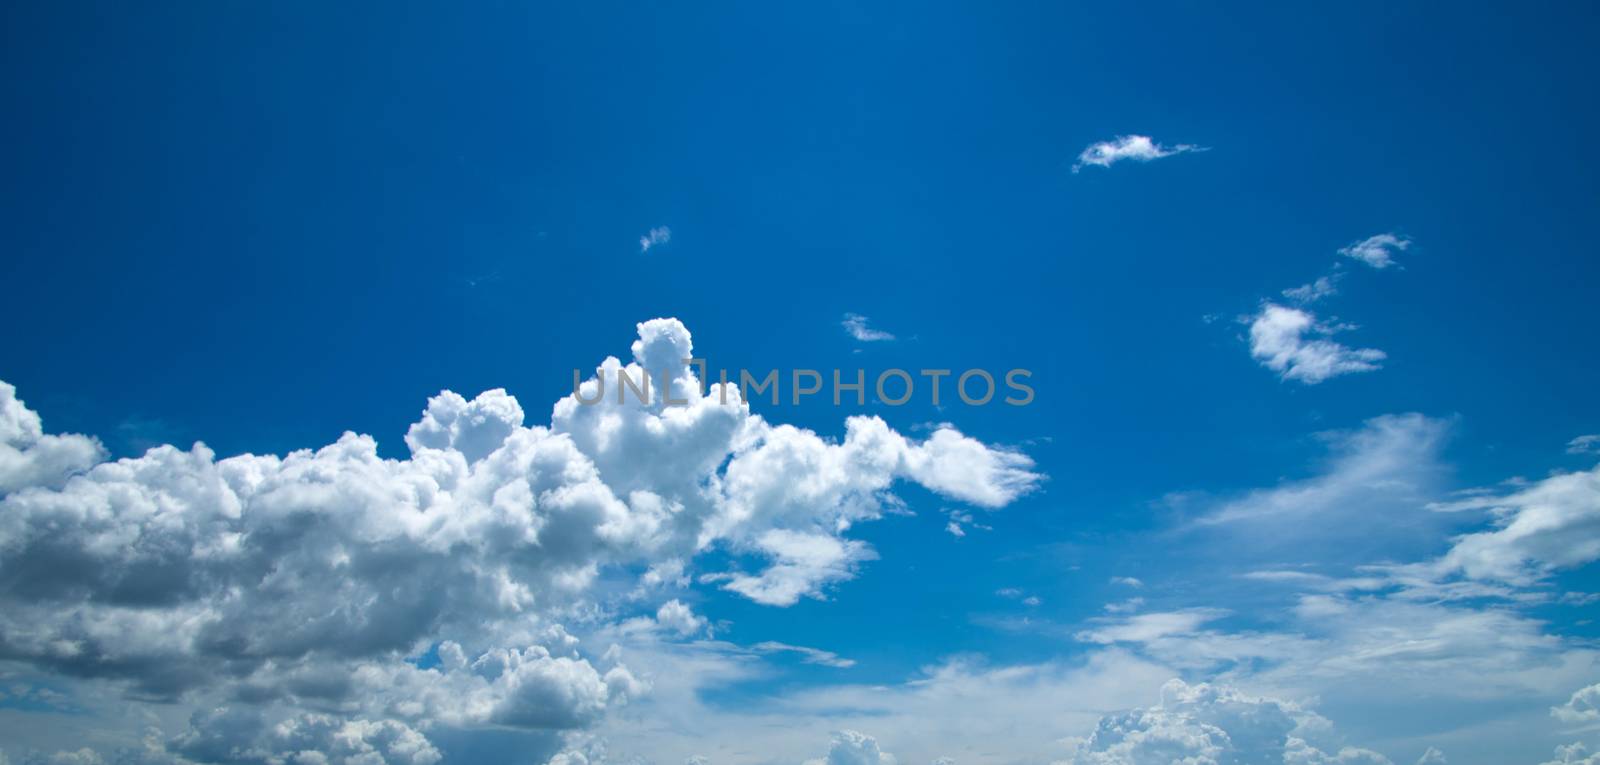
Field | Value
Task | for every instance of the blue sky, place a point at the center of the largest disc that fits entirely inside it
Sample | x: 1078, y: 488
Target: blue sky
x: 262, y: 227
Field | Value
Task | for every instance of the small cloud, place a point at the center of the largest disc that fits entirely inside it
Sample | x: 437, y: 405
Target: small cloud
x: 676, y: 616
x: 960, y: 520
x: 657, y: 235
x: 808, y: 655
x: 1127, y: 580
x: 1589, y: 444
x: 1012, y: 593
x: 1306, y: 294
x: 1377, y: 251
x: 856, y: 325
x: 1139, y: 148
x: 1278, y: 340
x: 1125, y: 607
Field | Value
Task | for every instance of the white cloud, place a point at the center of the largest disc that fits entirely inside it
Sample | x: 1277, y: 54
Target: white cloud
x: 29, y: 457
x: 1210, y: 725
x: 1306, y: 294
x: 1127, y: 581
x: 1584, y: 706
x: 1390, y: 462
x: 244, y: 737
x: 808, y: 655
x: 1574, y: 754
x: 301, y: 583
x: 853, y: 748
x: 1135, y: 147
x: 656, y: 236
x: 678, y: 617
x: 856, y: 325
x: 1279, y: 341
x: 1145, y: 628
x: 1376, y: 251
x: 1550, y: 525
x: 1589, y: 444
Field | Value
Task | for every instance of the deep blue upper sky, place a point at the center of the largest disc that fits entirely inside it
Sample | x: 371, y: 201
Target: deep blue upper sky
x: 261, y: 225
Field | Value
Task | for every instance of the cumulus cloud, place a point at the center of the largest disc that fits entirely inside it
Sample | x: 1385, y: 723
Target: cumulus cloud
x: 1291, y: 342
x: 29, y: 457
x: 1574, y: 754
x: 1376, y: 251
x: 244, y: 737
x: 853, y: 748
x: 1584, y: 706
x: 1216, y: 724
x: 678, y: 617
x: 308, y: 582
x: 656, y: 236
x: 1139, y: 148
x: 856, y: 326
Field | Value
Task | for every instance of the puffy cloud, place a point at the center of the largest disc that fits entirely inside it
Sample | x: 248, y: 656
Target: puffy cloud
x: 303, y: 582
x: 853, y: 748
x: 1550, y: 525
x: 1135, y: 147
x: 1283, y: 340
x: 1376, y: 251
x: 1584, y: 706
x: 1216, y: 725
x: 29, y: 457
x: 856, y: 325
x: 678, y: 617
x: 244, y: 737
x: 1574, y: 754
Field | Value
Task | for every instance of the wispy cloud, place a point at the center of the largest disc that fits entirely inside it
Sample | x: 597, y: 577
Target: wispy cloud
x: 807, y: 655
x: 1589, y: 444
x: 1305, y: 294
x: 1377, y: 251
x: 856, y: 325
x: 656, y: 236
x: 1140, y: 148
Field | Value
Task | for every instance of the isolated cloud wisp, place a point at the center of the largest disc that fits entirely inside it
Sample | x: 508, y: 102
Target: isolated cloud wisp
x: 1139, y: 148
x: 654, y: 237
x: 856, y: 326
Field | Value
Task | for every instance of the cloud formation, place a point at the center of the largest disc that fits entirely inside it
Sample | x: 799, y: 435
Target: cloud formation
x: 1216, y: 725
x: 1377, y: 251
x: 656, y: 236
x: 298, y: 584
x: 856, y: 326
x: 1291, y: 342
x: 1140, y: 148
